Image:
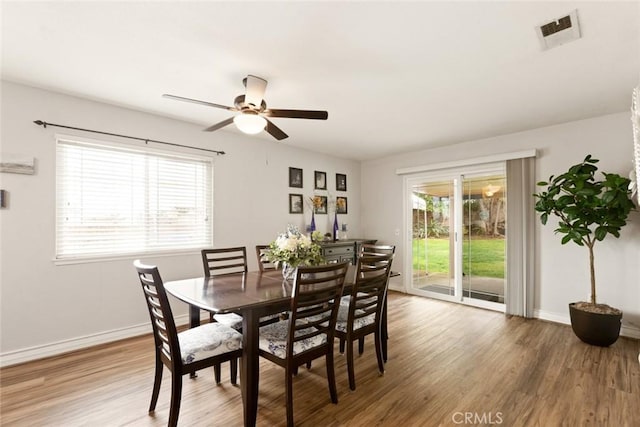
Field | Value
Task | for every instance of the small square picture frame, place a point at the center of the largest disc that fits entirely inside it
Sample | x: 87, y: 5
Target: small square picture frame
x: 341, y: 205
x: 296, y: 203
x: 341, y: 182
x: 321, y: 208
x: 295, y: 177
x: 320, y: 180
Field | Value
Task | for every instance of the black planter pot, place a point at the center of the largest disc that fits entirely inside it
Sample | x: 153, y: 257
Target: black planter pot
x: 595, y: 328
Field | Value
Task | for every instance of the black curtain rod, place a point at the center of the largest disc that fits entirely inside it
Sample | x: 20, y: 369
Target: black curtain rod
x: 146, y: 140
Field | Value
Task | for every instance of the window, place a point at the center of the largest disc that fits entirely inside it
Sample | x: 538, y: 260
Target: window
x: 113, y: 200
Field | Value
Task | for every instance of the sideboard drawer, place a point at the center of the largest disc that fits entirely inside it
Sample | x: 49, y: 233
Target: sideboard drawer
x: 344, y: 250
x: 339, y: 252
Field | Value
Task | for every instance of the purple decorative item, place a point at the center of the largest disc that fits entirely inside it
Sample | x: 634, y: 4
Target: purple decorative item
x: 312, y: 227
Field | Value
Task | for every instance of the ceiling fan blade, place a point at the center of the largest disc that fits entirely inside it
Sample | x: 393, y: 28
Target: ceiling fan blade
x: 195, y: 101
x: 275, y: 131
x: 255, y: 90
x: 297, y: 114
x: 219, y: 125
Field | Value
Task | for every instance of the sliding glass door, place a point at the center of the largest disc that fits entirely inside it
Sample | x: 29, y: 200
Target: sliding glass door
x: 457, y: 232
x: 432, y: 242
x: 483, y: 244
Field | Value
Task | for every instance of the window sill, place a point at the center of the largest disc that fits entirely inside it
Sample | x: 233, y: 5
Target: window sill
x: 129, y: 256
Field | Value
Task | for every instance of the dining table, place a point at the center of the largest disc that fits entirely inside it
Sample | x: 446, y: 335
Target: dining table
x: 253, y: 295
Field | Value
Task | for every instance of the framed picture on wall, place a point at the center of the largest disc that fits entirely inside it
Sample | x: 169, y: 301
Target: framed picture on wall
x: 341, y: 205
x: 295, y: 177
x: 320, y: 204
x: 341, y: 182
x: 320, y: 180
x: 295, y: 203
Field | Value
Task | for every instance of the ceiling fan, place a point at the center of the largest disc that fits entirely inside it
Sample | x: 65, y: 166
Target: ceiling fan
x: 253, y: 111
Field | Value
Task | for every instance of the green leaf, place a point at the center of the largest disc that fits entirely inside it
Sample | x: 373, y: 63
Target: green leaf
x: 565, y: 200
x: 589, y: 159
x: 601, y: 233
x: 608, y: 197
x: 588, y: 191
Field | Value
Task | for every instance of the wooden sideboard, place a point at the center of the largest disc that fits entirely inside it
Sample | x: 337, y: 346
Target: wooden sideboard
x: 343, y: 250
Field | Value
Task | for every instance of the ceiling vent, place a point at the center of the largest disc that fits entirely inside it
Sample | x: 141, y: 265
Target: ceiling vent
x: 558, y: 32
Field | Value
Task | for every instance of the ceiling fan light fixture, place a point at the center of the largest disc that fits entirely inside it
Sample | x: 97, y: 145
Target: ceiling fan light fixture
x: 250, y: 123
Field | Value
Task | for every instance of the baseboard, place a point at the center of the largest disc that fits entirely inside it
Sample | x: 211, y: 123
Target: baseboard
x: 630, y: 331
x: 397, y: 284
x: 53, y: 349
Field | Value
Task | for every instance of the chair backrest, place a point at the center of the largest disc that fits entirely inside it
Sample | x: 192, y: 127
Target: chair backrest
x: 164, y: 328
x: 263, y: 263
x: 369, y: 249
x: 315, y: 301
x: 224, y: 261
x: 370, y: 289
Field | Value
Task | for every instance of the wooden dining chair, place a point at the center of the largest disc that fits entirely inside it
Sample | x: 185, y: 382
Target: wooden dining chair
x: 369, y: 249
x: 362, y: 316
x: 372, y: 249
x: 185, y: 352
x: 308, y: 333
x: 224, y: 261
x: 263, y: 263
x: 221, y: 261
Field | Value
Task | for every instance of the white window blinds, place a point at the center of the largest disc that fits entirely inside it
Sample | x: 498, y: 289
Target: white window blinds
x: 116, y: 201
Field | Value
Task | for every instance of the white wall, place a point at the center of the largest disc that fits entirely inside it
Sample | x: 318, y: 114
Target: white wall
x: 47, y: 308
x: 562, y: 273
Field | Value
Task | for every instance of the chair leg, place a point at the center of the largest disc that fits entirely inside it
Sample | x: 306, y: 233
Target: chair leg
x: 157, y: 380
x: 289, y: 395
x: 234, y: 371
x: 331, y: 376
x: 309, y: 364
x: 361, y: 346
x: 378, y: 343
x: 341, y: 346
x: 350, y: 368
x: 176, y: 396
x: 216, y: 372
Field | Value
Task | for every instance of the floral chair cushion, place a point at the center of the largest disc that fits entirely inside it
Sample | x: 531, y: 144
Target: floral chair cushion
x: 208, y: 340
x: 343, y: 316
x: 345, y: 300
x: 231, y: 320
x: 273, y: 339
x: 234, y: 320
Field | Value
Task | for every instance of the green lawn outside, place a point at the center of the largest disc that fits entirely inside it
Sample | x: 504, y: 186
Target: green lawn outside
x: 481, y: 257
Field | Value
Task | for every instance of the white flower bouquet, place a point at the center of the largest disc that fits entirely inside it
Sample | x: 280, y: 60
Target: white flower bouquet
x: 294, y: 249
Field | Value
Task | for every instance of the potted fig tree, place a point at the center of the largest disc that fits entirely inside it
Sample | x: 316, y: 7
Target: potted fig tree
x: 588, y: 210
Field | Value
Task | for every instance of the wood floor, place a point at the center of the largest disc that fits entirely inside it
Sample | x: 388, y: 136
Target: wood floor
x: 449, y: 365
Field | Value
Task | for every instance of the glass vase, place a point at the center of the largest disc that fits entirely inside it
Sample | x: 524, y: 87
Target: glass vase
x: 288, y: 272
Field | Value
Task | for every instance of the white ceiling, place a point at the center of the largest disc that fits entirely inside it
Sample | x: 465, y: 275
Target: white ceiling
x: 393, y: 76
